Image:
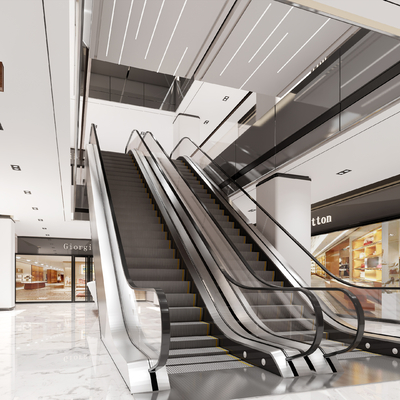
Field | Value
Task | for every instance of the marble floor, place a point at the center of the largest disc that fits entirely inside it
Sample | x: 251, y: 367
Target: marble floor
x: 53, y: 351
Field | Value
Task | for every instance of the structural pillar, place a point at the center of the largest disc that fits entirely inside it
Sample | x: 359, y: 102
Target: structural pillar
x: 186, y: 125
x: 7, y: 263
x: 287, y: 198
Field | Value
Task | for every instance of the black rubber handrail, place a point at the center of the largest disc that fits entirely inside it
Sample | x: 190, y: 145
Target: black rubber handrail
x: 275, y: 221
x: 164, y: 309
x: 317, y: 309
x: 359, y: 310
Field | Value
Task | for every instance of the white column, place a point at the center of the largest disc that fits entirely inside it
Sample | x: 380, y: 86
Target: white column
x: 186, y: 125
x: 7, y: 263
x: 288, y: 199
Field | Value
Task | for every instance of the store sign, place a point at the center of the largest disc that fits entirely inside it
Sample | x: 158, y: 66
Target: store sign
x: 321, y: 220
x: 378, y: 206
x: 35, y: 245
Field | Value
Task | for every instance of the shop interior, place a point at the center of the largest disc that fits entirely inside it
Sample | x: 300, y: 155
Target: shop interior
x: 367, y: 255
x: 52, y: 278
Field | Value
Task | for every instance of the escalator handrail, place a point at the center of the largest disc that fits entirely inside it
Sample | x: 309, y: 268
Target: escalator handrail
x: 275, y: 221
x: 317, y: 309
x: 162, y: 299
x: 359, y: 310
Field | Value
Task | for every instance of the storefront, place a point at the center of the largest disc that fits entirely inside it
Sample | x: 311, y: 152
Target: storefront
x: 53, y: 270
x: 367, y: 249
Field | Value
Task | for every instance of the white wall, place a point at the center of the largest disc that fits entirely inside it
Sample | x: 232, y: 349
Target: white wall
x: 116, y: 121
x: 7, y: 263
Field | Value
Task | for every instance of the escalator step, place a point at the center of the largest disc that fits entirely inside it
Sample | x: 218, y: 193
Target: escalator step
x: 181, y: 369
x: 181, y: 314
x: 181, y: 299
x: 152, y: 253
x: 191, y: 342
x: 154, y: 243
x: 289, y: 324
x: 135, y: 262
x: 137, y: 274
x: 202, y: 359
x: 166, y: 286
x: 187, y: 328
x: 258, y: 266
x: 266, y: 275
x: 201, y: 351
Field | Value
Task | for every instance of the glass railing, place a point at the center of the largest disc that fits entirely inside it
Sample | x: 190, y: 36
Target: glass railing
x: 145, y: 310
x: 285, y: 313
x: 358, y: 79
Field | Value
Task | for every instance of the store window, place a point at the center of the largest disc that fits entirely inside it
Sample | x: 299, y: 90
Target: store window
x: 368, y: 255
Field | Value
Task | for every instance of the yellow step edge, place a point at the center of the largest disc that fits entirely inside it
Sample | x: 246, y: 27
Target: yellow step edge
x: 208, y: 326
x: 188, y: 289
x: 183, y: 274
x: 236, y: 358
x: 194, y: 300
x: 225, y: 350
x: 216, y: 340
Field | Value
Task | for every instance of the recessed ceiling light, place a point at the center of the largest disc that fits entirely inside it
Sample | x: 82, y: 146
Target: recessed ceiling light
x: 18, y: 258
x: 40, y: 220
x: 35, y: 208
x: 172, y: 35
x: 44, y: 228
x: 294, y: 55
x: 28, y: 260
x: 206, y: 122
x: 154, y: 29
x: 126, y: 30
x: 263, y: 61
x: 345, y: 171
x: 391, y: 234
x: 140, y: 21
x: 226, y: 66
x: 179, y: 63
x: 225, y: 98
x: 15, y: 167
x: 111, y: 24
x: 266, y: 40
x: 27, y: 192
x: 252, y: 210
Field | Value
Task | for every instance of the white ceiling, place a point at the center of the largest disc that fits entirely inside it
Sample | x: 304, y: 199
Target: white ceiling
x: 36, y: 134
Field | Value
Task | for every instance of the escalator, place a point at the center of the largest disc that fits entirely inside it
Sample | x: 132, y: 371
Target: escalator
x: 168, y: 302
x: 339, y: 329
x: 153, y: 261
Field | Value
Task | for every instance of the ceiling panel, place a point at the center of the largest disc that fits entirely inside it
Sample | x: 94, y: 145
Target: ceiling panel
x: 158, y: 35
x: 255, y: 56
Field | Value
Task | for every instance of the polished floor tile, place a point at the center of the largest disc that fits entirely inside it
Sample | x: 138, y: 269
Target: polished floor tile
x: 54, y: 351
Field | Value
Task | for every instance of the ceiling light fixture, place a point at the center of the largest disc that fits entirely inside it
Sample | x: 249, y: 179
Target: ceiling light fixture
x: 40, y: 220
x: 44, y: 228
x: 35, y: 208
x: 140, y: 21
x: 206, y: 122
x: 126, y: 30
x: 18, y: 258
x: 183, y: 55
x: 154, y: 29
x: 252, y: 210
x: 263, y: 61
x: 226, y: 66
x: 294, y: 55
x: 266, y: 40
x: 15, y: 167
x: 369, y: 66
x: 345, y: 171
x: 225, y: 98
x: 172, y: 35
x: 111, y: 24
x: 27, y: 192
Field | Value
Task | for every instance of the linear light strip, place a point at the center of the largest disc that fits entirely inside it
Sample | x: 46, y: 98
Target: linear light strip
x: 265, y: 41
x: 180, y: 61
x: 172, y: 35
x: 111, y: 24
x: 154, y: 29
x: 290, y: 59
x: 369, y: 66
x: 226, y: 66
x: 126, y: 30
x: 262, y: 62
x: 140, y: 21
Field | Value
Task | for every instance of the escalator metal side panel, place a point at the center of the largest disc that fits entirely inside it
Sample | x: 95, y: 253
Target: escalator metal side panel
x: 215, y: 304
x: 131, y: 363
x: 290, y: 274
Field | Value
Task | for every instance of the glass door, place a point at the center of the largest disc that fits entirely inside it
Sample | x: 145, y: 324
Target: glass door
x: 83, y: 275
